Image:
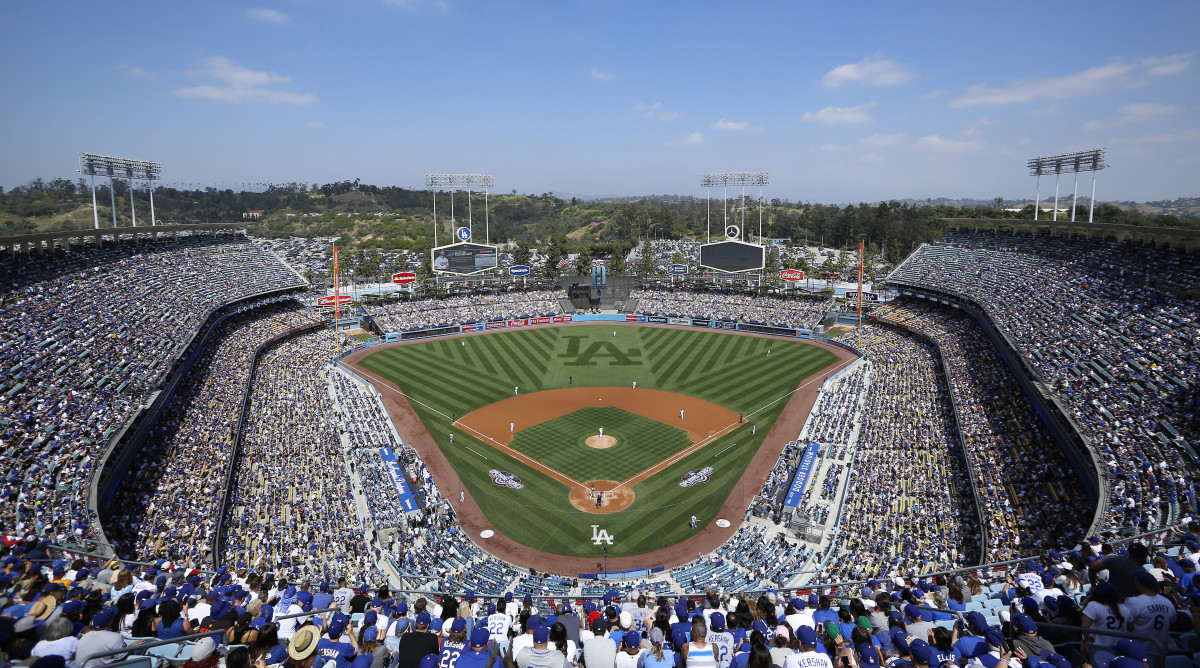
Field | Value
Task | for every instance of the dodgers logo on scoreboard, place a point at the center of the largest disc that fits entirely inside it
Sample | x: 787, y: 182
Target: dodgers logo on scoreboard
x: 505, y: 479
x: 696, y: 477
x: 518, y: 270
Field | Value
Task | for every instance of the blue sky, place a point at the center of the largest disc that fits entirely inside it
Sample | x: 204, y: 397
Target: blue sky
x: 840, y: 101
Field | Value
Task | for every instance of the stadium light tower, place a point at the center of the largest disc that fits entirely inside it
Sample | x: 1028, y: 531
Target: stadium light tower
x: 1066, y: 163
x: 743, y: 179
x: 94, y: 164
x: 469, y: 181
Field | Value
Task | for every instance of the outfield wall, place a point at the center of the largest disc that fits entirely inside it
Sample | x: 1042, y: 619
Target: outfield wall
x: 643, y: 318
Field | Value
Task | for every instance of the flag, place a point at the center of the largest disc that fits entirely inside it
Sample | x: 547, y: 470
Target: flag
x: 562, y: 263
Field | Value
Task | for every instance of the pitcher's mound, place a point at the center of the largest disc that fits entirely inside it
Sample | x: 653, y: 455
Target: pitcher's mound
x: 601, y: 442
x: 614, y: 501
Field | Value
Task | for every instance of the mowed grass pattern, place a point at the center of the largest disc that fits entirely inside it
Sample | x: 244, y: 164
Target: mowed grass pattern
x: 445, y: 377
x: 561, y: 443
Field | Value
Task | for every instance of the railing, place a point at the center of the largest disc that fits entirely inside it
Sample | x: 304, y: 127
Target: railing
x: 962, y: 441
x: 231, y: 466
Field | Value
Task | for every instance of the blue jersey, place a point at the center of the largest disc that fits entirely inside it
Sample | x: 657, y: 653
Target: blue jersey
x: 341, y: 653
x: 472, y: 659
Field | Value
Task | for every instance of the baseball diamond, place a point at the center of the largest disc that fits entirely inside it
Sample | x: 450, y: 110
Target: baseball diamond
x: 575, y: 379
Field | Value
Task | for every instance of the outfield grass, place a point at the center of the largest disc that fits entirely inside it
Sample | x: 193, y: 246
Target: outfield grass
x: 444, y: 376
x: 561, y: 443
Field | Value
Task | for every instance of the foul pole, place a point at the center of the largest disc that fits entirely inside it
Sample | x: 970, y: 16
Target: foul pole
x: 337, y: 307
x: 860, y: 289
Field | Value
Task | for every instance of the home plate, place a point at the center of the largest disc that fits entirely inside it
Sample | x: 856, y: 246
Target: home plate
x: 488, y: 533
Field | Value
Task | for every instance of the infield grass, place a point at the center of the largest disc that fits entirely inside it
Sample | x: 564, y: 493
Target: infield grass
x: 445, y: 377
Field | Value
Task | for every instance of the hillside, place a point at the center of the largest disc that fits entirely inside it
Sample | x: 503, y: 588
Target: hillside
x: 390, y: 218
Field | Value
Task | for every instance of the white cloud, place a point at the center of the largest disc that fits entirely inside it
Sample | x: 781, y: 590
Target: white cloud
x: 134, y: 71
x: 873, y: 71
x: 881, y: 140
x: 1088, y: 82
x: 601, y: 74
x: 314, y: 124
x: 1171, y: 65
x: 1146, y: 110
x: 686, y: 141
x: 826, y: 148
x: 937, y: 144
x: 736, y: 126
x: 872, y: 158
x: 1134, y: 113
x: 841, y: 115
x: 656, y: 112
x: 268, y: 15
x: 241, y: 84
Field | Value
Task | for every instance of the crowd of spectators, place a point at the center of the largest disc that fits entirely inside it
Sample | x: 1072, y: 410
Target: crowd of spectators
x: 1112, y: 330
x: 405, y: 314
x: 291, y: 502
x: 837, y: 409
x: 794, y: 312
x: 1029, y: 491
x: 909, y: 506
x: 168, y: 501
x: 86, y: 333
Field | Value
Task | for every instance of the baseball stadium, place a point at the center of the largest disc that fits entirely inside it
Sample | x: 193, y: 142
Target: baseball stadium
x: 301, y: 395
x: 608, y: 437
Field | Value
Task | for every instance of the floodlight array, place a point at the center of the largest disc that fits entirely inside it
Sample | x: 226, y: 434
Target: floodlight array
x: 94, y: 164
x: 1068, y: 163
x: 735, y: 179
x: 464, y: 180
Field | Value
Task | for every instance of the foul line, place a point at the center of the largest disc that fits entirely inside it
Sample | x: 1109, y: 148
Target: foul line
x: 515, y: 454
x: 472, y: 450
x: 699, y: 445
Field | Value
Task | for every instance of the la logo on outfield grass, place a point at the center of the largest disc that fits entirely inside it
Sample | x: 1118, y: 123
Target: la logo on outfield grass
x: 600, y: 536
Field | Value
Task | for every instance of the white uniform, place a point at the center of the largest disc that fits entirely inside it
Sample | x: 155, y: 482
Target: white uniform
x: 497, y: 625
x: 808, y: 660
x: 1103, y: 618
x: 722, y: 647
x: 1151, y: 616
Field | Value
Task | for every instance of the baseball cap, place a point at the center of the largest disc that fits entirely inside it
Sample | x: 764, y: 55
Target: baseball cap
x: 1132, y: 649
x: 975, y: 618
x: 370, y: 634
x: 491, y: 609
x: 806, y: 635
x: 429, y: 661
x: 632, y: 639
x: 533, y: 622
x: 993, y: 636
x: 912, y: 612
x: 541, y: 634
x: 423, y: 619
x: 625, y: 619
x: 480, y: 637
x: 716, y: 621
x: 798, y: 603
x: 1024, y: 623
x: 104, y: 618
x: 657, y: 637
x: 370, y: 618
x: 867, y: 655
x: 921, y: 651
x: 458, y: 625
x: 1145, y: 578
x: 1057, y: 660
x: 402, y: 608
x: 72, y: 607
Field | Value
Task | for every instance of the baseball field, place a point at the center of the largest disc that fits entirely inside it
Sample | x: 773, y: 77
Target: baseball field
x: 519, y: 416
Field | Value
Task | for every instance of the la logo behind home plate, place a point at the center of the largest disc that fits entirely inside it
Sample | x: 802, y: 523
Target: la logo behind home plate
x: 600, y: 537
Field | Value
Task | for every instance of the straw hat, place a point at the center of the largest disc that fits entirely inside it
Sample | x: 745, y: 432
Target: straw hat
x: 303, y: 643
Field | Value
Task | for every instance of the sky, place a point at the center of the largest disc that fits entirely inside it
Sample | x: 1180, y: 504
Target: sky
x: 840, y: 101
